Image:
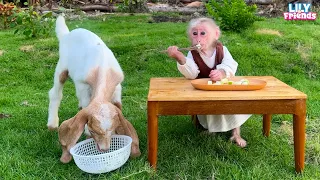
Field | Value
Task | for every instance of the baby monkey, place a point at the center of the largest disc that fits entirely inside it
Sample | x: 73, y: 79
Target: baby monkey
x: 210, y: 59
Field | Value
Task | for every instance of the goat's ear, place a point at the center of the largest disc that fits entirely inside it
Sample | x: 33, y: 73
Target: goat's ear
x: 126, y: 128
x: 70, y: 132
x: 118, y: 105
x: 116, y: 76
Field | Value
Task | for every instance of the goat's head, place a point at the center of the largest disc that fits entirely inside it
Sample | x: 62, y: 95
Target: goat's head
x: 107, y: 121
x: 102, y: 124
x: 103, y: 120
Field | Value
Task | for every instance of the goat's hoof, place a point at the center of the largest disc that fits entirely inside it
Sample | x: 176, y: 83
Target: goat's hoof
x: 53, y: 123
x: 65, y: 158
x: 135, y: 153
x: 52, y: 128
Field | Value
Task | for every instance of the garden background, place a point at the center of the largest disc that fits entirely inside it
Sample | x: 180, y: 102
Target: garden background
x: 288, y: 50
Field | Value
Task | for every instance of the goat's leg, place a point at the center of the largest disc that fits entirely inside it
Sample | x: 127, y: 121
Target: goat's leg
x: 55, y: 96
x: 83, y: 92
x: 116, y: 98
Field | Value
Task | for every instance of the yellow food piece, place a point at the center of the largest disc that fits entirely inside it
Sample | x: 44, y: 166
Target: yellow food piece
x: 244, y: 81
x: 224, y: 81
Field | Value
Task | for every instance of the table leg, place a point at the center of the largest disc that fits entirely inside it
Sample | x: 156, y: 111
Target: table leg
x: 152, y: 134
x: 299, y: 141
x: 266, y: 124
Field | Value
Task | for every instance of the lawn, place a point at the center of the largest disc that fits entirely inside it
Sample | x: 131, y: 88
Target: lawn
x: 287, y: 50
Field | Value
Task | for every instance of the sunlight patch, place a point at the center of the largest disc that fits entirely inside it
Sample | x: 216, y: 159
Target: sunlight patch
x: 269, y: 31
x: 1, y: 52
x: 28, y: 48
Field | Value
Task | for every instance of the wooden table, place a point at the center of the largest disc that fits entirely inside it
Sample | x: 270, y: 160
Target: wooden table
x: 176, y: 96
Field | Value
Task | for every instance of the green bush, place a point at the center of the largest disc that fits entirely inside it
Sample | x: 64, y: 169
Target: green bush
x: 234, y: 15
x: 32, y: 24
x: 133, y: 6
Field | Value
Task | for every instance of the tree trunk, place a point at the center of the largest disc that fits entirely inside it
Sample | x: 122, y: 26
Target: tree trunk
x: 93, y: 7
x: 262, y: 2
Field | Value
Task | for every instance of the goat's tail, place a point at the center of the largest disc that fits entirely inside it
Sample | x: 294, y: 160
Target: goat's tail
x: 61, y: 27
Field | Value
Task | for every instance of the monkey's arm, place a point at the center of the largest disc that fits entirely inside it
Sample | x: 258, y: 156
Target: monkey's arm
x: 228, y: 64
x: 189, y: 70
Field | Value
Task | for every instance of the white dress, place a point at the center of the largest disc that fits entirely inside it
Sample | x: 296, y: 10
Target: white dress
x: 215, y: 123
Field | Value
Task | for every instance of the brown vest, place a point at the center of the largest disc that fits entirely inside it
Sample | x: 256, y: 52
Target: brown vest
x: 204, y: 69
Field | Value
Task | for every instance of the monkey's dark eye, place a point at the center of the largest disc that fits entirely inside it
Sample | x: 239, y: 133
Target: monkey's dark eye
x: 203, y: 33
x: 195, y: 33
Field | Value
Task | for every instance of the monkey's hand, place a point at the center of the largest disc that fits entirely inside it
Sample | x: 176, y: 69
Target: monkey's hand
x: 176, y: 54
x: 217, y: 75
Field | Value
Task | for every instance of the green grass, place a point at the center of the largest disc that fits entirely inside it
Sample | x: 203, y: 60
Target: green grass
x: 29, y: 151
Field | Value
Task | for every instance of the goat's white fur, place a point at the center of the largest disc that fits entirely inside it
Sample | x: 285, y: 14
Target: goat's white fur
x: 80, y: 51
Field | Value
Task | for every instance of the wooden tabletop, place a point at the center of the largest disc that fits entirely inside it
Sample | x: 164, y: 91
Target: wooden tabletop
x: 180, y: 89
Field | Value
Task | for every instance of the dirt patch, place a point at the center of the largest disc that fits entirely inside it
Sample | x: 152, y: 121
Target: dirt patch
x: 1, y: 52
x: 28, y: 48
x: 2, y: 115
x: 162, y: 18
x: 286, y: 128
x: 304, y: 52
x: 269, y: 31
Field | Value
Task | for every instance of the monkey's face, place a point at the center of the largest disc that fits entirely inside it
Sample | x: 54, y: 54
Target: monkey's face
x: 204, y: 35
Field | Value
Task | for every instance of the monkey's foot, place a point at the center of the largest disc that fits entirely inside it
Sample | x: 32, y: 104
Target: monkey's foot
x: 239, y: 141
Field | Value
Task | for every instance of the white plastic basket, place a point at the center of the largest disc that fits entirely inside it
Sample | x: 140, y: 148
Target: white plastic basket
x: 89, y: 159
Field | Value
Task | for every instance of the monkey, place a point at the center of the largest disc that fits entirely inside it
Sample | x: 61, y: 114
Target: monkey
x: 208, y: 58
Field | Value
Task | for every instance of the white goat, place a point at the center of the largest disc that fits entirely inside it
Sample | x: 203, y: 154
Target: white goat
x: 97, y: 76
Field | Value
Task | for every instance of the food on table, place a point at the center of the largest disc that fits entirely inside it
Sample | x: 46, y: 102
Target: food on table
x: 244, y: 81
x: 226, y: 81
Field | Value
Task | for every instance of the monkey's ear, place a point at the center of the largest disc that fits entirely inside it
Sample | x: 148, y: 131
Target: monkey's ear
x: 218, y: 33
x: 70, y: 132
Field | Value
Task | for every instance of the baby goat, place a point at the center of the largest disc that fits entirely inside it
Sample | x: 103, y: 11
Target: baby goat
x: 97, y: 76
